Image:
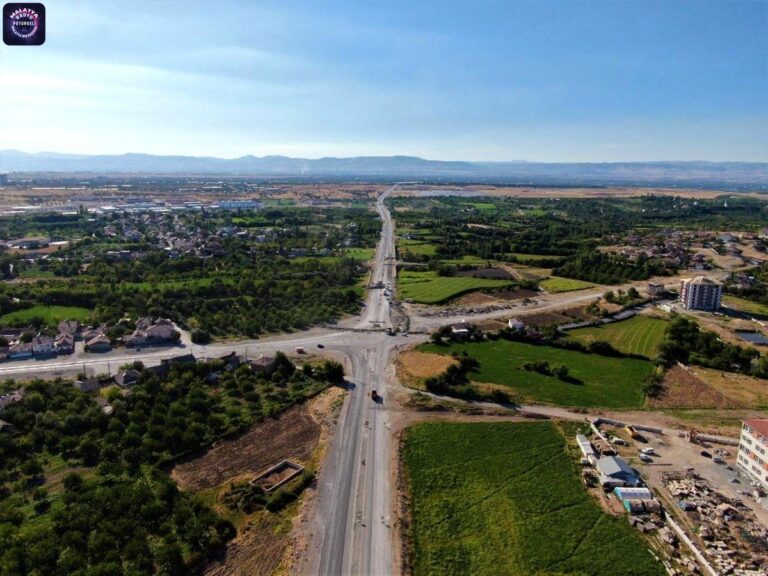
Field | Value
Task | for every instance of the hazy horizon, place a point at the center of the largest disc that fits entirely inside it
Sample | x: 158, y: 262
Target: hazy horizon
x: 393, y: 155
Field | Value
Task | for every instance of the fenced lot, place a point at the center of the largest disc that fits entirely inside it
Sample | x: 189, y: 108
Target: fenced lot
x: 505, y: 498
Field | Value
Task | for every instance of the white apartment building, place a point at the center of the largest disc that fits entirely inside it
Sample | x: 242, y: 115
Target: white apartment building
x: 701, y: 293
x: 753, y: 450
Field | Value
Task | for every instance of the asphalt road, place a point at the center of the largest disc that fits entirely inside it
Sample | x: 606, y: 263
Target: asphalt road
x: 352, y: 533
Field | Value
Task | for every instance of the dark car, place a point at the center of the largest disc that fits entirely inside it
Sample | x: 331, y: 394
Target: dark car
x: 321, y: 346
x: 705, y: 454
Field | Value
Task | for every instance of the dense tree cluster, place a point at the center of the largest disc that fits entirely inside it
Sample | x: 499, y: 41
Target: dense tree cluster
x: 121, y: 514
x: 603, y: 268
x: 684, y: 341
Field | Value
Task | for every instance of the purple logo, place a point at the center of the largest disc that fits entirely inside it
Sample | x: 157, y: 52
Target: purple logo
x: 24, y: 24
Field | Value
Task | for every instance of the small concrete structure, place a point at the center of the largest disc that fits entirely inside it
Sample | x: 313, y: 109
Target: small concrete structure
x: 275, y: 476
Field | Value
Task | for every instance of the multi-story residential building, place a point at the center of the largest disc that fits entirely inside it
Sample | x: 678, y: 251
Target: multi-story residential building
x: 753, y: 450
x: 701, y: 293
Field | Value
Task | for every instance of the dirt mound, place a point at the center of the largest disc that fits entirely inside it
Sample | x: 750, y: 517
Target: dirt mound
x: 518, y: 294
x: 292, y: 436
x: 475, y: 299
x: 682, y: 389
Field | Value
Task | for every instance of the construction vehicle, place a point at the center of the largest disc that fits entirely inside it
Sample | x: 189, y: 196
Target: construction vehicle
x: 634, y: 434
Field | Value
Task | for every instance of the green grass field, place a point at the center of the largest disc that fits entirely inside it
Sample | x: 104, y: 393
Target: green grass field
x: 745, y: 305
x: 529, y: 258
x: 604, y: 381
x: 556, y: 284
x: 492, y: 499
x: 417, y: 248
x: 638, y: 335
x: 52, y: 315
x: 429, y: 288
x: 483, y: 206
x: 364, y: 254
x: 468, y: 260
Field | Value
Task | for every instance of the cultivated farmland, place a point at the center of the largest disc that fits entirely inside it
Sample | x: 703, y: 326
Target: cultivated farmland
x: 598, y: 381
x: 638, y: 335
x: 429, y: 288
x: 506, y: 499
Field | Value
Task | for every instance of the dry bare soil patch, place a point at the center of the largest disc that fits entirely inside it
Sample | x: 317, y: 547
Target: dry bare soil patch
x: 682, y: 389
x: 413, y: 366
x: 294, y: 435
x: 744, y: 390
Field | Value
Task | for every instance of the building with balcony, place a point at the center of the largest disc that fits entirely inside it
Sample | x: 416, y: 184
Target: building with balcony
x: 700, y: 293
x: 753, y: 450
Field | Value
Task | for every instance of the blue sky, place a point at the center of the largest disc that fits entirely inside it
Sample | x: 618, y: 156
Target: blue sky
x: 543, y: 80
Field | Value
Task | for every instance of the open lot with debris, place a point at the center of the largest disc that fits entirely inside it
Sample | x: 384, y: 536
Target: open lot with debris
x: 725, y: 529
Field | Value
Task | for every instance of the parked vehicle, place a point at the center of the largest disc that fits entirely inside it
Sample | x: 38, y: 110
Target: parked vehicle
x: 705, y: 454
x: 374, y: 394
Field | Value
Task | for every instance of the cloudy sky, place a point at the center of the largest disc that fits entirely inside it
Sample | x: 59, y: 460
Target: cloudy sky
x: 477, y: 80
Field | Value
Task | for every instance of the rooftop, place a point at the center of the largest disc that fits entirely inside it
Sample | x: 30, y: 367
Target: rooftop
x: 702, y: 280
x: 759, y: 425
x: 613, y: 466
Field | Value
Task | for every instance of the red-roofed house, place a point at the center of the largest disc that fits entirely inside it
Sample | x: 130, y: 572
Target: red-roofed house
x: 753, y: 449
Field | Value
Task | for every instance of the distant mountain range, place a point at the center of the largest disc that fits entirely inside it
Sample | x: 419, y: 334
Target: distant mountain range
x: 729, y: 175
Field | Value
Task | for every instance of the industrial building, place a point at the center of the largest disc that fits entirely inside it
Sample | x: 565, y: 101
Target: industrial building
x: 586, y: 448
x: 701, y: 293
x: 637, y: 500
x: 752, y: 450
x: 615, y: 472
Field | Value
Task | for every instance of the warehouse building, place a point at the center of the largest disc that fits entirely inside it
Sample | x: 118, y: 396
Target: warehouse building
x: 615, y: 472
